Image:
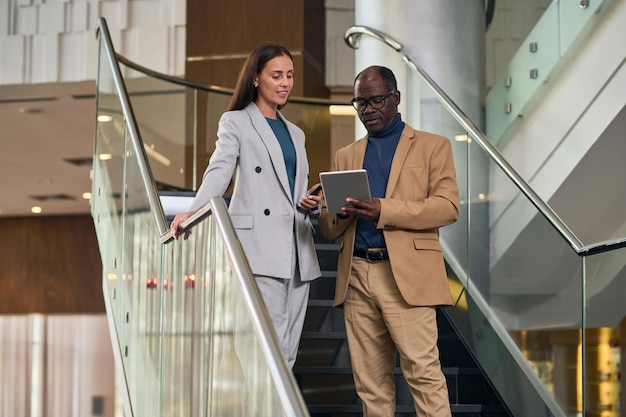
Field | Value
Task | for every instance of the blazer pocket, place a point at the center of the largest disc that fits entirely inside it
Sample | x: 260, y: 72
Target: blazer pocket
x: 427, y: 244
x: 428, y: 259
x: 242, y: 221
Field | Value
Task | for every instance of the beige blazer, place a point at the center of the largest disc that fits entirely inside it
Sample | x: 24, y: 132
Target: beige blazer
x: 262, y: 209
x: 422, y: 195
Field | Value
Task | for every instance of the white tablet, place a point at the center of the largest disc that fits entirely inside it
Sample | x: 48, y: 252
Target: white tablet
x: 339, y: 185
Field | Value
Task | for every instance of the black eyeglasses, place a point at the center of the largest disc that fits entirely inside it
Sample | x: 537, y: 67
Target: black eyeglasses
x: 377, y: 102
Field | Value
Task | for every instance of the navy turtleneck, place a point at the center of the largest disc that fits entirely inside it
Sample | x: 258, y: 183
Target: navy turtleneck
x: 378, y: 157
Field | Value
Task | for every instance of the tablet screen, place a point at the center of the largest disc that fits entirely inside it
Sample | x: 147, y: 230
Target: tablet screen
x: 339, y: 185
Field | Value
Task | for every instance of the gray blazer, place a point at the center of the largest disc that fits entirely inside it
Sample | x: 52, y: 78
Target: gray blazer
x: 263, y: 212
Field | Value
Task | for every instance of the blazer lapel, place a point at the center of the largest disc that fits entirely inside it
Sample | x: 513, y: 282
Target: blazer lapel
x: 266, y: 134
x: 359, y: 153
x: 407, y: 138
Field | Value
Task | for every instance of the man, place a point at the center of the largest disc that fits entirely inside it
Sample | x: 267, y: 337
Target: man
x: 391, y: 273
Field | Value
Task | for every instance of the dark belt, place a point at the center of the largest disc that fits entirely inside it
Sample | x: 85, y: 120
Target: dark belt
x: 372, y: 255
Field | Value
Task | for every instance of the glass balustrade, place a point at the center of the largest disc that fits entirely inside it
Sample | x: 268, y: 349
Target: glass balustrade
x: 190, y: 333
x: 541, y: 314
x: 549, y: 42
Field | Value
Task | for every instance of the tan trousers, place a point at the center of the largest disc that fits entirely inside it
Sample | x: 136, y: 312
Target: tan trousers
x: 379, y: 322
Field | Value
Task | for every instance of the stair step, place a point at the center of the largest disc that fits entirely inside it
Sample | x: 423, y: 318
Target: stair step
x: 357, y: 410
x: 325, y: 370
x: 320, y: 303
x: 323, y: 335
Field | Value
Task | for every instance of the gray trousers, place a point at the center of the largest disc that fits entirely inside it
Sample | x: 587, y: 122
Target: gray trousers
x: 286, y: 302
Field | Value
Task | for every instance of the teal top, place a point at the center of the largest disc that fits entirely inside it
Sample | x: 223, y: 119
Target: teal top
x: 289, y: 151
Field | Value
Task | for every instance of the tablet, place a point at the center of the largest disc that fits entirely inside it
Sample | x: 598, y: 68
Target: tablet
x: 339, y: 185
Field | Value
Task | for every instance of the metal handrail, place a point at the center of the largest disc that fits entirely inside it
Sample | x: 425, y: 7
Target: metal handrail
x: 352, y: 37
x: 217, y: 89
x: 129, y: 116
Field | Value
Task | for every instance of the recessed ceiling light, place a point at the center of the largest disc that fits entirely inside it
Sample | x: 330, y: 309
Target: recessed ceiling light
x: 30, y: 110
x: 104, y: 118
x: 86, y: 195
x: 36, y: 209
x: 105, y: 156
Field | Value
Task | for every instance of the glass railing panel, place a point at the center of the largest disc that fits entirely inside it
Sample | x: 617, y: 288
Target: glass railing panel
x: 215, y: 359
x: 424, y: 112
x: 188, y: 309
x: 141, y: 304
x: 315, y: 121
x: 513, y: 277
x: 605, y: 286
x: 106, y: 205
x: 164, y: 114
x: 321, y: 126
x: 533, y: 286
x: 524, y: 75
x: 107, y: 190
x: 192, y: 336
x: 179, y: 126
x: 561, y: 25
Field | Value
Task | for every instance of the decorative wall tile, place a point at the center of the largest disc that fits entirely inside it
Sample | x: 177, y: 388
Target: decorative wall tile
x: 52, y: 18
x: 111, y: 11
x: 55, y: 40
x: 45, y: 58
x: 145, y: 13
x: 12, y: 51
x: 72, y: 62
x: 6, y: 11
x: 91, y: 50
x: 80, y: 17
x: 93, y: 13
x: 26, y: 20
x: 178, y: 16
x: 148, y: 46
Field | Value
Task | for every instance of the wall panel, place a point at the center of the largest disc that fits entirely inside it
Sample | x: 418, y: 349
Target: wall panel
x: 50, y: 265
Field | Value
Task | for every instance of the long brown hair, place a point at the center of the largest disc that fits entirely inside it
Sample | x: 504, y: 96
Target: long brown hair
x: 245, y: 92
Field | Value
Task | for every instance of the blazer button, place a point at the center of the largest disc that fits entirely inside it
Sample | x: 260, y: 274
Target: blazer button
x: 257, y: 169
x: 266, y: 212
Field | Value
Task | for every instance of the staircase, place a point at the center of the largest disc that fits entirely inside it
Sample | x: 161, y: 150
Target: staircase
x: 323, y: 368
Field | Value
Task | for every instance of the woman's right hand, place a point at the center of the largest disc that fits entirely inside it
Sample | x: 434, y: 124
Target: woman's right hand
x: 176, y: 225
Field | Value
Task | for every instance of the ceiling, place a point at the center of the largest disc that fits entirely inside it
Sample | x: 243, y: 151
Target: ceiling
x: 48, y: 138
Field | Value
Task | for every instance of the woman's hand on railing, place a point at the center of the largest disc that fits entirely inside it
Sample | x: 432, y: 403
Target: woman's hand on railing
x: 177, y: 225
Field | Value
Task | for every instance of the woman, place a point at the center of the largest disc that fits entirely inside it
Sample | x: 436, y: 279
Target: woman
x: 264, y: 155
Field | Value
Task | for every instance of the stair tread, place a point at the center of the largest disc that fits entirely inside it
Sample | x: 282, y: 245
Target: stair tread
x: 456, y: 408
x: 330, y: 370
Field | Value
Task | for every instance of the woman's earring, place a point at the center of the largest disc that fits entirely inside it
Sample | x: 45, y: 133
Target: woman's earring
x: 256, y: 85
